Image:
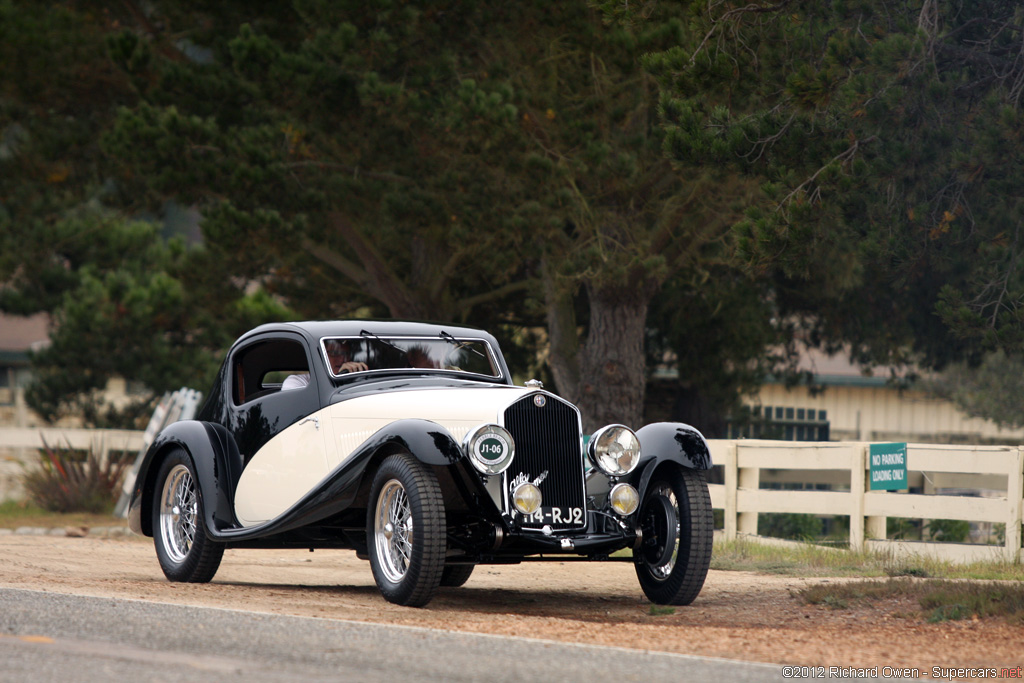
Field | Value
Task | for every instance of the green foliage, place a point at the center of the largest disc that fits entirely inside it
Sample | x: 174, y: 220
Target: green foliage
x: 992, y: 390
x: 907, y: 570
x: 789, y: 525
x: 66, y: 480
x: 125, y: 300
x: 949, y: 530
x: 886, y: 153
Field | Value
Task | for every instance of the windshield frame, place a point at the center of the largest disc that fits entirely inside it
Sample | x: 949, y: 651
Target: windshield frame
x: 492, y: 357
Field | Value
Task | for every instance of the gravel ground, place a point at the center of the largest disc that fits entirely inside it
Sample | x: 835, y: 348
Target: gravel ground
x: 739, y: 615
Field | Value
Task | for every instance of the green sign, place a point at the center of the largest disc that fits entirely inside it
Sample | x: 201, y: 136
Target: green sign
x: 888, y: 466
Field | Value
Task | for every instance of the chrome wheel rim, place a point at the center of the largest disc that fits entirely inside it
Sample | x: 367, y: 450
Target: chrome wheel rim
x: 179, y: 510
x: 393, y: 531
x: 662, y: 571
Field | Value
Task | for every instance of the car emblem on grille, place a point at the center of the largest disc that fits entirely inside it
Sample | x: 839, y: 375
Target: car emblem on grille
x: 540, y: 400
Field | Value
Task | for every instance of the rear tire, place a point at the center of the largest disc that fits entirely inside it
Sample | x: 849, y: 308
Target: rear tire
x: 678, y: 530
x: 185, y: 552
x: 455, y: 575
x: 405, y: 529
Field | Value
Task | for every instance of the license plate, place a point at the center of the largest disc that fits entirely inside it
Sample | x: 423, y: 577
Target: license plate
x: 555, y: 515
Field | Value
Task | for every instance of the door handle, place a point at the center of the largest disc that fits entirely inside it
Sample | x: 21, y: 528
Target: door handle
x: 314, y: 420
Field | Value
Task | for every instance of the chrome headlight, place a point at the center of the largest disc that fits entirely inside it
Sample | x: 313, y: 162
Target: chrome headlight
x: 490, y: 448
x: 614, y: 450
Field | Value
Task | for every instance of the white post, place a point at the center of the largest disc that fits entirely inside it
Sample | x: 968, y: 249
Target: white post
x: 729, y: 467
x: 1015, y: 504
x: 874, y: 527
x: 748, y: 478
x: 858, y: 485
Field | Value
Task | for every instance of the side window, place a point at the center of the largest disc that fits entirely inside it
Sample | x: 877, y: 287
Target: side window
x: 262, y: 368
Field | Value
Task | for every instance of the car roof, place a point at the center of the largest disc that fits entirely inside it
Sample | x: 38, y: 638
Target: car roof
x: 315, y: 330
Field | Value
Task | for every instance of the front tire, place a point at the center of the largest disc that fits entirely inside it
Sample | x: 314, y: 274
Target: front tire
x: 678, y: 530
x: 405, y: 528
x: 185, y: 552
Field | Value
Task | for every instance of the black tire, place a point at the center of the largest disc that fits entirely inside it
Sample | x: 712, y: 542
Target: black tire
x: 185, y: 552
x: 405, y: 531
x: 672, y: 564
x: 455, y: 575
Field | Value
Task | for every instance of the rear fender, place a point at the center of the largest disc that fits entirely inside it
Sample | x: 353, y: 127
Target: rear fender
x: 217, y: 463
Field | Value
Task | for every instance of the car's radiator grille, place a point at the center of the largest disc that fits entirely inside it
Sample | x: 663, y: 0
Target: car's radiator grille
x: 547, y: 439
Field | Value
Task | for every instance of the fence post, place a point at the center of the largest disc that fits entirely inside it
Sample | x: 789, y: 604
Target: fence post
x: 858, y: 485
x: 747, y: 478
x: 1015, y: 504
x: 729, y: 470
x: 874, y: 527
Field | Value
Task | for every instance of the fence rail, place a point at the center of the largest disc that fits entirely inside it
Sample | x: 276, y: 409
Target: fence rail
x: 742, y: 498
x: 100, y: 441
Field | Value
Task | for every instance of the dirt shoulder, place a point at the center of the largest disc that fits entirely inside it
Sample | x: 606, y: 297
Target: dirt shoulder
x: 739, y: 615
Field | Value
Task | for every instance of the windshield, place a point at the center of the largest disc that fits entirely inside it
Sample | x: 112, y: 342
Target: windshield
x: 369, y: 352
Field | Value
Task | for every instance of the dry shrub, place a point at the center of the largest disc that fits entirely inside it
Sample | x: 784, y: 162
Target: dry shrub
x: 70, y: 480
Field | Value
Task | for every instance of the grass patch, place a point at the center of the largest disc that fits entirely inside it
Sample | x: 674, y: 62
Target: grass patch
x: 939, y: 600
x: 14, y: 514
x: 662, y: 610
x: 813, y: 560
x: 793, y: 560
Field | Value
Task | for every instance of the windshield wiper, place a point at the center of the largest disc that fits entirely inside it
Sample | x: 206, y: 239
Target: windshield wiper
x: 460, y: 345
x: 370, y: 335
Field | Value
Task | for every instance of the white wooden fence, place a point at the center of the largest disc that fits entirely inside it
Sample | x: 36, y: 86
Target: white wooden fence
x: 19, y: 447
x: 742, y: 499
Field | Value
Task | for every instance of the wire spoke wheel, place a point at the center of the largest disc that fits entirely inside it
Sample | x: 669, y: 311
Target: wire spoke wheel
x: 179, y: 531
x: 406, y: 531
x: 178, y: 512
x: 393, y: 530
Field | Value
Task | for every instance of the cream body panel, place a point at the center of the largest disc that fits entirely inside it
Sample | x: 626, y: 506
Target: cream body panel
x: 282, y: 472
x: 457, y: 410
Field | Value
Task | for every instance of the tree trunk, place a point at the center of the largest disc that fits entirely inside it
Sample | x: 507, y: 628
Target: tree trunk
x: 612, y: 363
x: 563, y: 337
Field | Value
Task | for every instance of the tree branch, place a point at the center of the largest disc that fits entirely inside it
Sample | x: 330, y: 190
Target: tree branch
x: 846, y: 155
x: 749, y: 9
x: 336, y: 261
x: 354, y: 170
x: 495, y: 294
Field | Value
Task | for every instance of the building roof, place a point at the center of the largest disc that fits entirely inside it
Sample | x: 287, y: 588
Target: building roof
x: 21, y: 334
x: 839, y: 370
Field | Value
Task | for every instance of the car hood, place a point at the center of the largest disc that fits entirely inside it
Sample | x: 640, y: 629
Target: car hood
x: 456, y: 409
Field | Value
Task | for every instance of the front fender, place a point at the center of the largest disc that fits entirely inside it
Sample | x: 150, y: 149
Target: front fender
x: 218, y: 466
x: 428, y: 441
x: 669, y: 442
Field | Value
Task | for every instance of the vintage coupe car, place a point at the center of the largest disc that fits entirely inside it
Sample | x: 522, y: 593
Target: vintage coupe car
x: 409, y: 443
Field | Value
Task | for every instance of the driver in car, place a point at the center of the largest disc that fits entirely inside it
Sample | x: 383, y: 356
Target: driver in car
x: 338, y: 354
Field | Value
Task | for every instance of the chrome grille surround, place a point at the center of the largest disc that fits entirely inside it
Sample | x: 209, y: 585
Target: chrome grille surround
x: 548, y: 438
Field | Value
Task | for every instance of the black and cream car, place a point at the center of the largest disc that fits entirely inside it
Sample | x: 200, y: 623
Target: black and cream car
x: 409, y: 443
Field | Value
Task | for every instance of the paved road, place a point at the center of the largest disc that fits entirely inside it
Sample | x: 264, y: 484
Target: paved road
x: 69, y: 638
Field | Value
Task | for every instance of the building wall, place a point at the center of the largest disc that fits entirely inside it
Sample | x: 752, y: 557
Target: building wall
x: 882, y: 413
